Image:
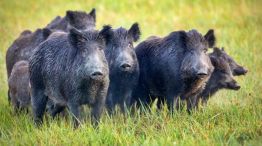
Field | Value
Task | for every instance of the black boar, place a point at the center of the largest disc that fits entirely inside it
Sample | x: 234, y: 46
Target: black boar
x: 173, y: 66
x: 23, y: 47
x: 18, y: 84
x: 236, y: 69
x: 71, y: 70
x: 77, y: 19
x: 123, y: 66
x: 221, y: 78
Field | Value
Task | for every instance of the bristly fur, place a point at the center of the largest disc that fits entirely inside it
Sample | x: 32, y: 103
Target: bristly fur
x: 220, y: 78
x: 161, y: 67
x: 23, y: 47
x: 61, y: 70
x: 77, y: 19
x: 120, y: 51
x: 18, y: 84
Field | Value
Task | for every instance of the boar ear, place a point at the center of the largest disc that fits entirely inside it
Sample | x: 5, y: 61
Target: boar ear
x: 76, y: 37
x: 210, y: 38
x: 25, y: 32
x: 93, y: 13
x: 134, y: 32
x: 217, y: 51
x: 70, y: 14
x: 214, y: 60
x: 47, y: 32
x: 106, y: 33
x: 223, y: 49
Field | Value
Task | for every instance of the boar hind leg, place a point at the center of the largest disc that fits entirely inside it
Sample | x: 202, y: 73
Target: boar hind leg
x: 8, y: 96
x: 24, y: 107
x: 16, y: 106
x: 15, y: 103
x: 39, y: 101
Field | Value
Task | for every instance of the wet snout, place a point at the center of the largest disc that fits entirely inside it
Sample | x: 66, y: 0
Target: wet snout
x: 96, y: 66
x: 125, y: 66
x: 125, y: 61
x: 97, y: 75
x: 233, y: 85
x: 197, y: 66
x: 239, y: 71
x: 202, y: 73
x: 202, y: 70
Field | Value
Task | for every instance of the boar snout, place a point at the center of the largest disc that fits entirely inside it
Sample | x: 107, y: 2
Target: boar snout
x: 233, y: 85
x: 97, y: 75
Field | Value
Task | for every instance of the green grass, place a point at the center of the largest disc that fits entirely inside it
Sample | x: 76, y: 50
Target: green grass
x: 231, y: 118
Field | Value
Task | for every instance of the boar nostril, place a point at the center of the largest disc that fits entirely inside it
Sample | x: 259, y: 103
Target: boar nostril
x: 201, y: 74
x: 237, y: 87
x: 233, y: 85
x: 97, y: 73
x: 125, y: 66
x: 245, y: 70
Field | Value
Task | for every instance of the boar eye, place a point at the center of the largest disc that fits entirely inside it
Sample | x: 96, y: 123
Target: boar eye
x: 224, y: 71
x: 100, y: 48
x: 130, y: 45
x: 205, y: 50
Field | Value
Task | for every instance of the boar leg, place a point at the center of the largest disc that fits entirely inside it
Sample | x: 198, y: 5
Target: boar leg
x: 39, y: 101
x: 74, y: 109
x: 110, y: 104
x: 170, y: 104
x: 196, y: 102
x: 14, y: 102
x: 189, y: 104
x: 125, y: 102
x: 192, y: 103
x: 99, y: 104
x: 8, y: 96
x: 179, y: 104
x: 204, y: 101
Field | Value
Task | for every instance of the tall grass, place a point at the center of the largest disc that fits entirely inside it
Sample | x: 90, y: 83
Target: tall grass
x: 231, y: 118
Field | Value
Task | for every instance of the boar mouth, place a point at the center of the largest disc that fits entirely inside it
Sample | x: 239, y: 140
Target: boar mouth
x: 195, y: 76
x: 126, y: 70
x: 97, y: 75
x: 194, y: 85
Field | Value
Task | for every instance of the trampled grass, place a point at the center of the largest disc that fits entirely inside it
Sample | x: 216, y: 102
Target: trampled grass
x: 231, y: 118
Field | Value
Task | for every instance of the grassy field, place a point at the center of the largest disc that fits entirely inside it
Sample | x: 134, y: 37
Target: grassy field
x: 231, y: 118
